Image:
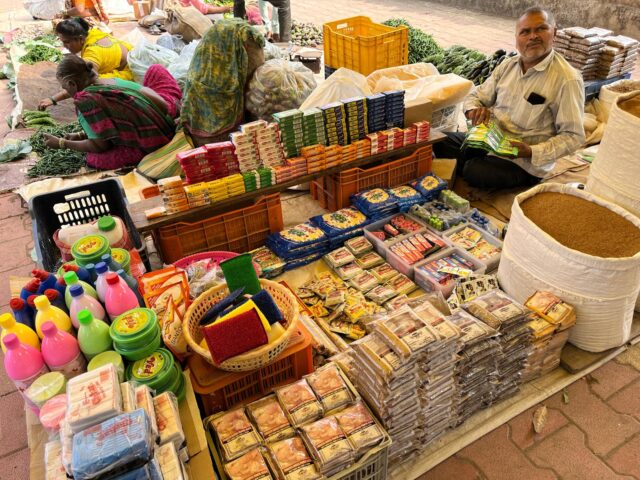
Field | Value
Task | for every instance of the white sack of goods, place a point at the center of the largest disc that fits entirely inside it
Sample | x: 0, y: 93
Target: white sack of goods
x: 278, y: 85
x: 583, y: 249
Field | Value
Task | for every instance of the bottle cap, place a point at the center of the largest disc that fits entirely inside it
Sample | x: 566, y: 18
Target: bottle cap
x: 16, y: 304
x: 70, y: 278
x: 90, y: 266
x: 31, y: 300
x: 11, y: 341
x: 106, y: 223
x: 33, y: 285
x: 52, y: 294
x: 41, y: 302
x: 85, y: 317
x: 7, y: 320
x: 106, y: 258
x: 101, y: 267
x: 49, y: 328
x: 112, y: 278
x: 76, y: 290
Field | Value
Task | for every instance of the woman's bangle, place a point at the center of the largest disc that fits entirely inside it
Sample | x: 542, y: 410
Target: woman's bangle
x: 53, y: 100
x: 61, y: 143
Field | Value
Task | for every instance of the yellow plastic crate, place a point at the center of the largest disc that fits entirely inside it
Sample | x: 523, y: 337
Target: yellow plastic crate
x: 361, y: 45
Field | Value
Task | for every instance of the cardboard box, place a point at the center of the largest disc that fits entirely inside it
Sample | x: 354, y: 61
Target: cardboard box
x: 445, y: 168
x: 418, y: 112
x: 141, y: 8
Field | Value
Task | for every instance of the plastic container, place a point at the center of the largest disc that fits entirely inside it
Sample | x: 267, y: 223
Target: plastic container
x: 333, y: 192
x: 429, y: 285
x: 61, y: 351
x: 93, y: 335
x: 136, y: 334
x: 240, y: 230
x: 56, y: 299
x: 380, y: 245
x: 49, y: 313
x: 75, y: 206
x: 90, y: 249
x: 23, y: 364
x: 361, y: 45
x: 101, y: 281
x: 82, y: 302
x: 446, y: 119
x: 399, y: 264
x: 220, y: 390
x: 112, y: 228
x: 159, y: 372
x: 108, y: 357
x: 119, y: 298
x: 122, y: 258
x: 492, y: 262
x: 52, y: 413
x: 46, y: 387
x: 71, y: 279
x: 71, y: 235
x: 22, y: 312
x: 24, y: 333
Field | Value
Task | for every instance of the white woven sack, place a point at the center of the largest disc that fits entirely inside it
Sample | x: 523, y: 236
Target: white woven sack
x: 603, y: 290
x: 608, y: 94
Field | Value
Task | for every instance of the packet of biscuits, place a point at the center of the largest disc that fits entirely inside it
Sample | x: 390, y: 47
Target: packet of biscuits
x: 268, y: 416
x: 330, y: 387
x: 235, y: 433
x: 359, y: 426
x: 406, y: 333
x: 299, y: 403
x: 291, y: 460
x: 328, y: 445
x: 250, y: 466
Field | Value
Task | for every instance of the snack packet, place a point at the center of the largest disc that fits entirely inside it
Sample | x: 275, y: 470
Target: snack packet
x: 235, y: 433
x: 292, y: 461
x: 299, y: 402
x: 329, y: 386
x: 250, y: 466
x: 270, y: 419
x: 360, y: 427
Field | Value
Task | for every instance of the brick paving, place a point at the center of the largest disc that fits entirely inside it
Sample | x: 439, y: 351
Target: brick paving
x: 596, y: 435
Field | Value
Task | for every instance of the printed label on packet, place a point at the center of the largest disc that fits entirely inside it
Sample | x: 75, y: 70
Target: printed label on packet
x: 460, y: 272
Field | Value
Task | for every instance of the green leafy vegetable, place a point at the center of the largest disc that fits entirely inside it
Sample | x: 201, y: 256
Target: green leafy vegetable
x: 55, y: 162
x: 14, y: 151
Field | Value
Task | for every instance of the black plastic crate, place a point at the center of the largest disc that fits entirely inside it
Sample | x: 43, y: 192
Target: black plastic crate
x: 76, y: 206
x: 328, y: 71
x: 592, y: 87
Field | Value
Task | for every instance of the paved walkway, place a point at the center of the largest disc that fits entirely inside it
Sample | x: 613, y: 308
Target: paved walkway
x: 592, y: 432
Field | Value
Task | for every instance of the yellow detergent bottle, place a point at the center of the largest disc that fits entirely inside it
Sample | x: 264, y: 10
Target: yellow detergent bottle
x: 24, y: 333
x: 49, y: 313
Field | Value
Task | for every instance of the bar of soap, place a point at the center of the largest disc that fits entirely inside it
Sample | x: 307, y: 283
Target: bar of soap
x: 170, y: 464
x: 53, y: 461
x: 117, y: 445
x: 144, y: 400
x: 128, y: 391
x: 168, y: 418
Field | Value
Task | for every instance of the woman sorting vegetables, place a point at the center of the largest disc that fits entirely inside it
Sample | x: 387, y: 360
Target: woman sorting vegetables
x: 107, y: 53
x: 85, y: 8
x: 221, y: 68
x: 122, y: 120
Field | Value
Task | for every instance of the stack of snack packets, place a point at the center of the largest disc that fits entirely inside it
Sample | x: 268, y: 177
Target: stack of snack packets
x: 333, y: 156
x: 394, y: 108
x: 313, y: 127
x: 269, y: 146
x: 423, y: 131
x: 356, y: 118
x: 376, y: 112
x: 54, y: 469
x: 247, y: 152
x: 363, y: 148
x: 270, y: 264
x: 168, y: 418
x: 169, y: 462
x: 173, y: 196
x: 410, y: 136
x: 217, y: 190
x: 335, y: 124
x: 197, y: 195
x: 290, y: 124
x: 340, y: 225
x: 298, y: 166
x: 376, y: 203
x: 315, y: 158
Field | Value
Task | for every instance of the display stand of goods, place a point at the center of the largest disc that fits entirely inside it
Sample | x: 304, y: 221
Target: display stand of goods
x: 585, y: 250
x: 315, y: 428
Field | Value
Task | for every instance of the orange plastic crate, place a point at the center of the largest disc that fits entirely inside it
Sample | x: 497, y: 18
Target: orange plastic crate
x: 237, y: 231
x: 220, y: 390
x: 359, y: 44
x: 333, y: 191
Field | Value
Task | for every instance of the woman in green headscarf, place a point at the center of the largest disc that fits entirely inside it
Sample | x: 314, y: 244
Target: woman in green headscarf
x: 221, y: 68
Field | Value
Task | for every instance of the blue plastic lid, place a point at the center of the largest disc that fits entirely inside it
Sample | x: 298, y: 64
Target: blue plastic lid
x: 76, y: 290
x: 106, y: 258
x: 101, y: 267
x: 90, y: 266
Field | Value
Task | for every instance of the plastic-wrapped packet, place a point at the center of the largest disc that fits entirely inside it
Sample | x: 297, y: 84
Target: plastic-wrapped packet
x: 358, y: 245
x: 235, y: 433
x: 328, y: 445
x: 370, y: 260
x: 339, y: 257
x: 54, y: 469
x: 496, y: 309
x: 93, y: 397
x: 381, y: 294
x: 472, y: 330
x: 168, y: 419
x: 330, y: 387
x: 150, y: 471
x: 270, y: 419
x: 170, y: 465
x: 144, y: 400
x: 128, y: 392
x: 250, y: 466
x: 116, y: 445
x: 360, y: 427
x: 380, y: 357
x: 406, y: 333
x: 66, y: 439
x: 299, y: 403
x: 291, y: 460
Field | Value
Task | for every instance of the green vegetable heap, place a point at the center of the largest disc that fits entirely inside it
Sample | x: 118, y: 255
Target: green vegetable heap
x: 55, y: 162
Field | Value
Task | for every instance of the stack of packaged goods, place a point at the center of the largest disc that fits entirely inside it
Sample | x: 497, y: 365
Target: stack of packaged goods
x: 247, y: 152
x: 270, y: 264
x: 510, y: 319
x: 269, y: 146
x: 363, y: 148
x: 349, y: 153
x: 410, y: 135
x: 313, y: 127
x: 438, y: 215
x: 267, y: 176
x: 173, y: 196
x: 315, y: 158
x: 453, y: 200
x: 406, y: 197
x: 290, y: 123
x: 581, y: 47
x: 298, y: 166
x: 235, y: 185
x: 394, y: 108
x: 389, y: 383
x: 283, y: 173
x: 335, y: 123
x: 356, y: 111
x: 250, y: 181
x: 418, y: 246
x: 340, y: 225
x: 441, y: 272
x: 376, y: 112
x: 478, y: 350
x: 217, y: 190
x: 197, y: 195
x: 195, y: 165
x: 423, y: 130
x: 473, y: 241
x: 619, y: 57
x: 430, y: 186
x: 376, y: 203
x: 395, y: 227
x: 438, y: 371
x: 379, y: 142
x: 299, y: 245
x: 551, y: 324
x: 333, y: 156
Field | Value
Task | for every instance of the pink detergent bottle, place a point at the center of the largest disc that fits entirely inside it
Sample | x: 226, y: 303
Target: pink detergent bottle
x: 61, y: 351
x: 23, y: 365
x: 80, y: 301
x: 119, y: 298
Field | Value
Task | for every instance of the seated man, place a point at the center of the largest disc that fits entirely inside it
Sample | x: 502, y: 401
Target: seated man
x: 535, y: 96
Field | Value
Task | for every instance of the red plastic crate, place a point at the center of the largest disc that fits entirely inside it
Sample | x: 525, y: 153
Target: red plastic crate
x: 237, y: 231
x: 333, y: 191
x: 220, y: 390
